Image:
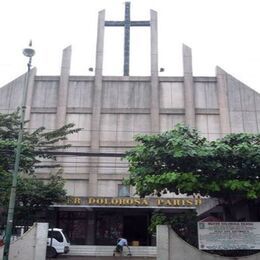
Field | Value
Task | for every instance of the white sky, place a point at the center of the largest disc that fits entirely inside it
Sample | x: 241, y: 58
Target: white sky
x: 220, y: 32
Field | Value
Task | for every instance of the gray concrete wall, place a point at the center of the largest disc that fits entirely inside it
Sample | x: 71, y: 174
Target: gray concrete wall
x: 244, y: 107
x: 111, y: 110
x: 171, y: 247
x: 31, y: 245
x: 11, y: 95
x: 125, y: 110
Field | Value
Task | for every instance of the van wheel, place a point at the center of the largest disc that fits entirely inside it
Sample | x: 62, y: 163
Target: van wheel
x: 51, y: 252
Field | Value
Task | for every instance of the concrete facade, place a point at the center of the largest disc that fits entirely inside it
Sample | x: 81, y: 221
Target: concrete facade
x: 125, y: 111
x: 171, y: 247
x: 31, y: 245
x: 112, y: 109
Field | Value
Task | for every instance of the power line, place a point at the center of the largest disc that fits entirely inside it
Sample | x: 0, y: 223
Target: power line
x: 87, y: 154
x: 83, y: 166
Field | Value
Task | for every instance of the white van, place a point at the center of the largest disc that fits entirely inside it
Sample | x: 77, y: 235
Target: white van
x: 57, y: 243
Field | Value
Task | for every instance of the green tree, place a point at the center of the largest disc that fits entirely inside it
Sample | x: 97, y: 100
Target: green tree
x: 182, y: 161
x: 184, y: 224
x: 33, y: 195
x: 35, y: 144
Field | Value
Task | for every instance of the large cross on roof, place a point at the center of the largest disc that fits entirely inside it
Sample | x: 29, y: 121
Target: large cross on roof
x: 127, y: 23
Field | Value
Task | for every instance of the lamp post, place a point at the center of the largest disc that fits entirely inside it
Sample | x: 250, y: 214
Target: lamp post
x: 28, y: 52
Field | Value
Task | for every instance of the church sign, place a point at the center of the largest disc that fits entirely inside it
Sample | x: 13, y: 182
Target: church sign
x: 229, y: 235
x: 134, y: 201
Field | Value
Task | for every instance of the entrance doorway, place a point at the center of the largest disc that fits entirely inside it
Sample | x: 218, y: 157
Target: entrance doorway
x: 112, y: 225
x: 135, y: 229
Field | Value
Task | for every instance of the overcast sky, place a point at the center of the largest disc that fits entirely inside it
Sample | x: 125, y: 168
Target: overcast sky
x: 220, y: 32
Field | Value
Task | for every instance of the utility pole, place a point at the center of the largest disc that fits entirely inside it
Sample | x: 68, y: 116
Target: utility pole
x: 28, y: 52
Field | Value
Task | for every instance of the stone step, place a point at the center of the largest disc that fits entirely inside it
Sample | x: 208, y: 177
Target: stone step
x: 137, y: 251
x: 67, y: 257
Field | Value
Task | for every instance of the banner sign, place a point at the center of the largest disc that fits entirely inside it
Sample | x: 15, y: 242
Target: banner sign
x: 134, y: 201
x: 229, y: 235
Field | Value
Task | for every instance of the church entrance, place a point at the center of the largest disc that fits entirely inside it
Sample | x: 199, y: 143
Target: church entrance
x: 105, y: 226
x: 135, y: 229
x: 112, y: 225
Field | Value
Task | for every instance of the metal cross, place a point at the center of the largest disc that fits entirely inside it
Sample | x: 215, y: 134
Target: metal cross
x: 127, y: 23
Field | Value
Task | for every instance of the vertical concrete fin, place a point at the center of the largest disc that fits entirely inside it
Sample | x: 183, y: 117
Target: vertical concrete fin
x: 96, y: 107
x: 222, y: 87
x: 163, y: 242
x: 40, y: 241
x: 189, y: 93
x: 63, y: 88
x: 96, y: 111
x: 30, y: 95
x: 187, y: 59
x: 155, y: 107
x: 100, y: 43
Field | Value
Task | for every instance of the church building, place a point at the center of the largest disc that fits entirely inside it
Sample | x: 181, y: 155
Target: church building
x: 111, y: 110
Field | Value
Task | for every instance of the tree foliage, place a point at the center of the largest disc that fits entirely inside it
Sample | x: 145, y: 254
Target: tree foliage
x: 184, y: 224
x: 182, y: 161
x: 34, y: 146
x: 32, y: 194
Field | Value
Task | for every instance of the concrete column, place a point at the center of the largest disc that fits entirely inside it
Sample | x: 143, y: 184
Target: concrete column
x: 189, y: 99
x: 222, y: 87
x: 63, y: 88
x: 91, y: 228
x: 96, y: 106
x: 41, y: 237
x: 30, y: 94
x: 163, y: 240
x: 155, y: 105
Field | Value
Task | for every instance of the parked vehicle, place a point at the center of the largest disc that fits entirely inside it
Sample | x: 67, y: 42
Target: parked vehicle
x: 57, y: 243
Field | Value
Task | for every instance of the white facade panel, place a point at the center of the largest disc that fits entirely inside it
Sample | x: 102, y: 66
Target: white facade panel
x: 110, y: 95
x: 125, y: 124
x: 171, y: 95
x: 81, y: 121
x: 247, y: 98
x: 213, y: 127
x: 46, y: 120
x: 202, y: 125
x: 76, y: 188
x: 200, y: 95
x: 236, y: 120
x: 107, y: 188
x: 250, y: 122
x: 108, y: 127
x: 257, y: 101
x: 168, y: 122
x: 142, y: 124
x: 11, y: 95
x: 45, y: 94
x: 80, y: 94
x: 126, y: 96
x: 211, y: 95
x: 206, y: 95
x: 142, y: 95
x: 258, y: 120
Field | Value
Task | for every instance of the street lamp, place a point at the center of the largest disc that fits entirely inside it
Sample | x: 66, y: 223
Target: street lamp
x: 28, y: 52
